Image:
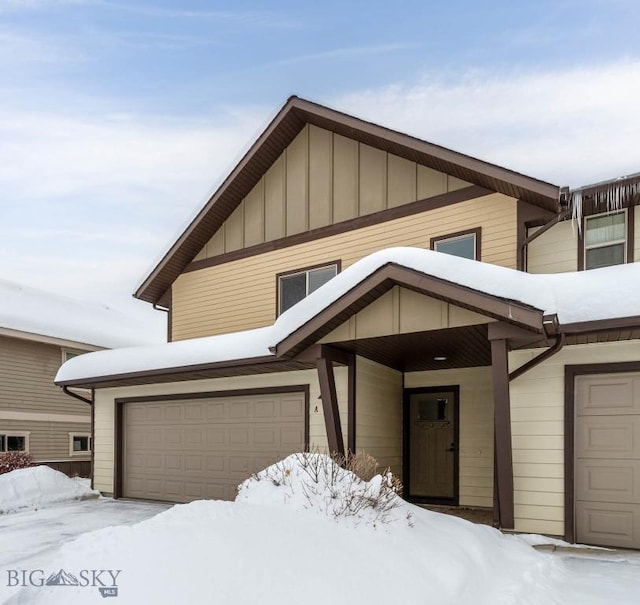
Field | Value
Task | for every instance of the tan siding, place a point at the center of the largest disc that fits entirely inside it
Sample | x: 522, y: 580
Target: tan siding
x: 27, y: 370
x: 240, y: 295
x: 320, y: 179
x: 555, y: 251
x: 49, y: 441
x: 537, y: 419
x: 401, y: 311
x: 104, y: 409
x: 636, y: 231
x: 476, y: 428
x: 379, y: 413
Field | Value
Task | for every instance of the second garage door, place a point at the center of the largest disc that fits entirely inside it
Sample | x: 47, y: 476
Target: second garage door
x: 608, y: 459
x: 180, y: 450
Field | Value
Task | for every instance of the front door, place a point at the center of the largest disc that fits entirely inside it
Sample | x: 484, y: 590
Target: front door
x: 431, y: 448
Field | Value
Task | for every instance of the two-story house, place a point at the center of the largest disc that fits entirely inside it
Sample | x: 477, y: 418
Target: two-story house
x: 296, y: 321
x: 39, y: 331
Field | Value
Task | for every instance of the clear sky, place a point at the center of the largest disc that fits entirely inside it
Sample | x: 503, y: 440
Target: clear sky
x: 117, y: 118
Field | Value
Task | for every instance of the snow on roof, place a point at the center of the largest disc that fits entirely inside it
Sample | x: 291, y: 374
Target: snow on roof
x: 575, y: 297
x: 40, y: 313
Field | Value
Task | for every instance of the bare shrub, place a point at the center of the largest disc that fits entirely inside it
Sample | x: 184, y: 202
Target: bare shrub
x: 11, y: 461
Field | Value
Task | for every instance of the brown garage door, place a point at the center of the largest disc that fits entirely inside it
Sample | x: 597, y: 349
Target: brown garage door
x: 186, y: 449
x: 608, y: 459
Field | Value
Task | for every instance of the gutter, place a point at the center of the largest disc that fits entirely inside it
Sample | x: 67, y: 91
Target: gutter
x: 66, y: 391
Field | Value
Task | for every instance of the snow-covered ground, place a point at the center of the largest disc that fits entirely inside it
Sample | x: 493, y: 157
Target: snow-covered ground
x: 300, y: 532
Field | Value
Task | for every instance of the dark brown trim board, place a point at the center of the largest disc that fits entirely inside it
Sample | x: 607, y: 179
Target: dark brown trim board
x: 406, y: 444
x: 360, y: 222
x: 351, y: 405
x: 330, y: 409
x: 290, y: 120
x: 337, y: 263
x: 93, y: 432
x: 570, y: 374
x: 478, y: 240
x: 122, y: 401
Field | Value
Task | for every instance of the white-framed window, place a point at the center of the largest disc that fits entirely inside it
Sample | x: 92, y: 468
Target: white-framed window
x: 605, y: 239
x: 79, y: 444
x: 14, y: 441
x: 68, y: 354
x: 463, y: 244
x: 294, y: 286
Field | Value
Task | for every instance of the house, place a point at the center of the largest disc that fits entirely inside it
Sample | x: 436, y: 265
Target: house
x: 353, y: 288
x: 39, y: 331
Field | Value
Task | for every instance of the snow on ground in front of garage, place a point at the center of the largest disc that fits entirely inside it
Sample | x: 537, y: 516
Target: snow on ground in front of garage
x: 39, y: 486
x: 287, y: 540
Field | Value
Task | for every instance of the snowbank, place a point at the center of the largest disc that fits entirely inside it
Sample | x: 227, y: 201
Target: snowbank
x: 269, y: 548
x: 576, y: 297
x: 39, y: 486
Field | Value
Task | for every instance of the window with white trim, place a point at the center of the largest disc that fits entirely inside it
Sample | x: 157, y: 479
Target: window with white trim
x: 605, y: 239
x: 79, y: 443
x: 460, y: 245
x: 14, y: 441
x: 293, y: 287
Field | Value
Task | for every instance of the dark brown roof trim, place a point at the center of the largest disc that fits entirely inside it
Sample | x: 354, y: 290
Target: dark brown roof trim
x: 237, y: 367
x: 432, y: 203
x: 600, y: 325
x: 390, y: 275
x: 281, y: 131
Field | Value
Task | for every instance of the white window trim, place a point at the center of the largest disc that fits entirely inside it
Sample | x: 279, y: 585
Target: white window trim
x: 606, y: 244
x: 446, y: 240
x: 11, y: 433
x: 77, y: 434
x: 65, y: 351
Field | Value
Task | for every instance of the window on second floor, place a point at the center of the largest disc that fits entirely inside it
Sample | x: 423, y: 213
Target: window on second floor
x: 464, y: 244
x: 605, y: 240
x: 294, y: 286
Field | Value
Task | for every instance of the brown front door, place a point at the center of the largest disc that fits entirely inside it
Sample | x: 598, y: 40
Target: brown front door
x: 431, y: 449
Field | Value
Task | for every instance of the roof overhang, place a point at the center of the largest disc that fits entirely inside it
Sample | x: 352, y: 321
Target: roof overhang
x: 50, y: 340
x: 289, y: 121
x: 386, y: 277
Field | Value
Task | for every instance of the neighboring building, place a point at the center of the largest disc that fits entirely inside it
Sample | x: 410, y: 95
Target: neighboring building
x: 403, y: 353
x: 39, y: 331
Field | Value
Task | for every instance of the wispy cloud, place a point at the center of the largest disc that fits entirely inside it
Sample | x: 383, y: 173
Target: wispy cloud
x: 569, y: 126
x: 352, y: 52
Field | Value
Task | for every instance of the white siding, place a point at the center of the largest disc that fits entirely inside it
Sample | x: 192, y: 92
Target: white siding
x: 104, y: 459
x: 476, y: 428
x: 537, y: 421
x: 379, y: 413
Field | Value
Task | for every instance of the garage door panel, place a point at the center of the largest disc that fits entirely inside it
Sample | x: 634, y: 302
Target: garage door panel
x: 607, y: 459
x: 189, y: 449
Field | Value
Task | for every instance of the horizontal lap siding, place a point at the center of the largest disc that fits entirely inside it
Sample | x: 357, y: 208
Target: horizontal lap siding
x: 476, y: 428
x: 49, y: 440
x: 555, y: 251
x: 27, y: 370
x: 241, y: 295
x: 537, y: 421
x: 379, y: 413
x: 104, y: 454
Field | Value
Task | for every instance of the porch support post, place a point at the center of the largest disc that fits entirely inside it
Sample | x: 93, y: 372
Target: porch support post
x: 502, y: 433
x: 330, y: 405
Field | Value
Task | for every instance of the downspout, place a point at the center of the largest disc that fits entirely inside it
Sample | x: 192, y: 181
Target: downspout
x: 532, y: 363
x: 565, y: 213
x: 66, y: 391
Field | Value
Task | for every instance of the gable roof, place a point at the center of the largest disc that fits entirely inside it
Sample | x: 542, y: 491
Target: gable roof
x: 287, y: 124
x: 34, y: 314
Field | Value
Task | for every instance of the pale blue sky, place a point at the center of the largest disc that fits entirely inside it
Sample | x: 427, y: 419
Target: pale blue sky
x: 118, y: 118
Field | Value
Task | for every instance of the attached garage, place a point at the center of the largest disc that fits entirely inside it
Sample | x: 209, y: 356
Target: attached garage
x: 187, y: 447
x: 607, y: 459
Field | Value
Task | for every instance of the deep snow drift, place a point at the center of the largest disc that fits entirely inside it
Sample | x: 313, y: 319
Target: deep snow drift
x: 38, y: 486
x: 285, y: 541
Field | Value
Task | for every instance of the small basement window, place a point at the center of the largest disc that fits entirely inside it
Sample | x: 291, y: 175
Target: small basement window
x: 605, y: 240
x: 293, y: 287
x: 14, y: 442
x: 79, y: 443
x: 463, y: 244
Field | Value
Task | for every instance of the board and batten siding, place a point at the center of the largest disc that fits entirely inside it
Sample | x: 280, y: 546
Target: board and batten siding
x: 241, y: 294
x: 379, y: 413
x: 476, y: 428
x: 321, y: 179
x: 104, y: 438
x: 537, y: 422
x: 555, y: 251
